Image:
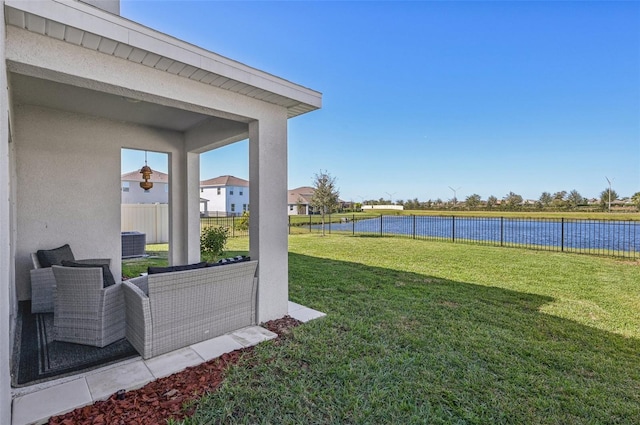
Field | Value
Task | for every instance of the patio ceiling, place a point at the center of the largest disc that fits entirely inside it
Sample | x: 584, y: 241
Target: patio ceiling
x: 35, y: 91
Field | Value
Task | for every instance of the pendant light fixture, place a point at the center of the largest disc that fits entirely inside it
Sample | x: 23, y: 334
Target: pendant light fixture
x: 146, y: 175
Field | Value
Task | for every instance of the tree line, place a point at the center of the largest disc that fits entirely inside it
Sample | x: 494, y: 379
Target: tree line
x: 561, y: 200
x: 326, y: 199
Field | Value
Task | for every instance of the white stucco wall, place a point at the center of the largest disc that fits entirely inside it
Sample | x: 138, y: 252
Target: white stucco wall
x: 222, y: 203
x: 292, y: 209
x: 76, y: 158
x: 159, y: 193
x: 216, y: 202
x: 237, y: 199
x: 6, y: 268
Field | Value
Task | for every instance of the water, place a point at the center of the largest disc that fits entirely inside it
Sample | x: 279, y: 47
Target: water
x: 600, y: 236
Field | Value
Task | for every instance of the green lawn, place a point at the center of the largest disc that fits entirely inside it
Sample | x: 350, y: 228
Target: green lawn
x: 439, y: 333
x: 158, y: 256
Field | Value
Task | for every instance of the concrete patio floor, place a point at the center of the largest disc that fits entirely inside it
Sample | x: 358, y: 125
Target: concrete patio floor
x: 37, y: 403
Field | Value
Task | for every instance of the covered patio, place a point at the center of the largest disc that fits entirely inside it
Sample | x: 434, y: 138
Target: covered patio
x: 83, y: 83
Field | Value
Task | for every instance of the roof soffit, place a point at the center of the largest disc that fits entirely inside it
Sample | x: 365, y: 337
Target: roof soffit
x: 82, y: 25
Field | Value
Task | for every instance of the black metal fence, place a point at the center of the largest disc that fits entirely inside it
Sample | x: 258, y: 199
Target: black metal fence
x: 599, y: 237
x: 238, y: 226
x: 619, y: 238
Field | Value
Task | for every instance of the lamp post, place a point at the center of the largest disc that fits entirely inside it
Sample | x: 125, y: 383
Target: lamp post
x: 609, y: 181
x: 391, y: 196
x: 455, y: 199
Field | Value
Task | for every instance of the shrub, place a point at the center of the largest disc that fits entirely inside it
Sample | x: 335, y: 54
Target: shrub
x: 243, y: 223
x: 212, y: 241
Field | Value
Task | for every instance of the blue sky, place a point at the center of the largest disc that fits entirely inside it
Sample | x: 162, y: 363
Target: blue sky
x: 418, y: 97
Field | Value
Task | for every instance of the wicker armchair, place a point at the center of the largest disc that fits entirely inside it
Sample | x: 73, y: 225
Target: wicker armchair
x: 85, y: 312
x: 43, y: 284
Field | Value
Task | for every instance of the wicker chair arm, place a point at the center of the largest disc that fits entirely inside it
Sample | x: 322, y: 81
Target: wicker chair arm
x: 113, y: 291
x: 142, y: 283
x: 138, y: 318
x: 43, y: 284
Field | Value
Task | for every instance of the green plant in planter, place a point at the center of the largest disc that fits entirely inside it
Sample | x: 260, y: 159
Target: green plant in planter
x: 212, y: 242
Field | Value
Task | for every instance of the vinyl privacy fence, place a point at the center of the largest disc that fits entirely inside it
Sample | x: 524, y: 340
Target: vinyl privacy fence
x: 150, y: 219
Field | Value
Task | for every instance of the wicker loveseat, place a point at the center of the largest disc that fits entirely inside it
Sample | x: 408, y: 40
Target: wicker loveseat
x: 168, y: 311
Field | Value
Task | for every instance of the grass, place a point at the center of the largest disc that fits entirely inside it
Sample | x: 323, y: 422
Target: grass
x: 158, y: 256
x: 428, y: 332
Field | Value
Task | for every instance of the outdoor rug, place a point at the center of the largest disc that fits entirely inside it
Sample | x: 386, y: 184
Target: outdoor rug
x: 40, y: 358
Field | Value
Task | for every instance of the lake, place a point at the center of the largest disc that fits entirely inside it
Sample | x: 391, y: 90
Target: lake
x: 606, y: 237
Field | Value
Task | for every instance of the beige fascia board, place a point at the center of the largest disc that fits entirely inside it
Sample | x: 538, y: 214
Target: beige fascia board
x: 104, y: 24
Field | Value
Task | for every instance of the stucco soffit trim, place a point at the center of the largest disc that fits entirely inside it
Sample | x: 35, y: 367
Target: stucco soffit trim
x: 92, y: 28
x: 50, y: 59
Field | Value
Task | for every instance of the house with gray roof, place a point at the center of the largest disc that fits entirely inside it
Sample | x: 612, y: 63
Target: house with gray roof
x: 299, y: 201
x: 224, y: 196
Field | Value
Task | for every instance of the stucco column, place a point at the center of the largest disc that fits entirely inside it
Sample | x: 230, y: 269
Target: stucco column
x: 268, y: 223
x: 184, y: 208
x: 6, y: 275
x: 193, y: 206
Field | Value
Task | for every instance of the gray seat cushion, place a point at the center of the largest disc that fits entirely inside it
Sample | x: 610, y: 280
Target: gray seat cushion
x: 156, y: 270
x: 107, y: 276
x: 55, y: 257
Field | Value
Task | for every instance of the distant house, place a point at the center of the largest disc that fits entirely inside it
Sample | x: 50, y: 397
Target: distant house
x: 299, y: 200
x: 132, y: 193
x: 224, y: 195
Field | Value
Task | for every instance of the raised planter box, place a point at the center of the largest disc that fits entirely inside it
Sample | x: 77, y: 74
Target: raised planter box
x: 133, y: 244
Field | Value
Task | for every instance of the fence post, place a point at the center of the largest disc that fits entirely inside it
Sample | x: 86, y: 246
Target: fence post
x: 309, y: 223
x: 501, y: 231
x: 453, y: 228
x: 381, y: 234
x: 562, y: 234
x: 353, y: 225
x: 414, y: 226
x: 289, y: 224
x: 233, y: 226
x: 329, y: 223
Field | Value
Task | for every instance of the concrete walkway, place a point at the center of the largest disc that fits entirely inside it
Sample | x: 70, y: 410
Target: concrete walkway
x: 37, y: 403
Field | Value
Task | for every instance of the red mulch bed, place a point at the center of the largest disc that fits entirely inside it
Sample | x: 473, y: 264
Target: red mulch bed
x: 163, y: 399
